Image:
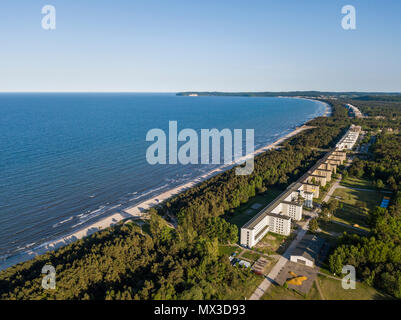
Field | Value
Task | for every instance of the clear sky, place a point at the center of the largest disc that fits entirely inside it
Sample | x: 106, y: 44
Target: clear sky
x: 180, y: 45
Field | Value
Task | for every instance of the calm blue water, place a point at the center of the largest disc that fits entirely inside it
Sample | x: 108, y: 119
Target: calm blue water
x: 67, y: 160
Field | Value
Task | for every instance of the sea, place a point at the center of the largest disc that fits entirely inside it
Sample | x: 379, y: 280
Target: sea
x: 68, y: 160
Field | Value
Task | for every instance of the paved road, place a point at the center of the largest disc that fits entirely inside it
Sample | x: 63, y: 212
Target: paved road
x: 331, y: 191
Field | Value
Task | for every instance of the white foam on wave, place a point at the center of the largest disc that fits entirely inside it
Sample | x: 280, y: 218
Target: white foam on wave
x: 62, y: 222
x: 29, y: 245
x: 95, y: 213
x: 141, y: 195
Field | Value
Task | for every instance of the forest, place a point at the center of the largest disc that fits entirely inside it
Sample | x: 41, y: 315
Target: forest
x: 377, y: 258
x: 129, y: 262
x: 160, y: 262
x: 380, y: 108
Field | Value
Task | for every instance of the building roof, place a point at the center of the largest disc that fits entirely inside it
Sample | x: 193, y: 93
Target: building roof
x: 317, y: 175
x: 310, y: 184
x: 298, y: 204
x: 280, y: 216
x: 267, y: 210
x: 295, y: 186
x: 309, y: 247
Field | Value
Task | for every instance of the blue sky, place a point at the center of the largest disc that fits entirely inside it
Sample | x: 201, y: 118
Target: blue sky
x: 174, y: 45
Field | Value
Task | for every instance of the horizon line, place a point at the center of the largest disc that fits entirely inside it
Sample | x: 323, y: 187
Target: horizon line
x: 200, y: 91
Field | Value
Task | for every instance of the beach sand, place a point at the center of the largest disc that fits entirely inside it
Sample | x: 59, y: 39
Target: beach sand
x: 137, y: 211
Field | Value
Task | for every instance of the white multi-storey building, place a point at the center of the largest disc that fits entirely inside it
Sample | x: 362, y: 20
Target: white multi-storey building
x: 278, y: 215
x: 280, y: 224
x: 348, y: 141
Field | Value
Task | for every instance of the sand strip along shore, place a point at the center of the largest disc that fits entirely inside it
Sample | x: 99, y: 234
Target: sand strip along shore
x: 138, y: 210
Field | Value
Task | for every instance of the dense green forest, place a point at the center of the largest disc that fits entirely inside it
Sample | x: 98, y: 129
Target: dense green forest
x: 377, y: 258
x: 126, y: 262
x: 389, y: 110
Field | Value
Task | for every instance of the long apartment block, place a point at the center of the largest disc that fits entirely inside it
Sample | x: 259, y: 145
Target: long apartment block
x: 278, y: 215
x: 349, y: 139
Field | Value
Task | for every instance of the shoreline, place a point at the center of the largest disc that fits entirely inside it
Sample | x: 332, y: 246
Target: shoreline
x: 137, y: 211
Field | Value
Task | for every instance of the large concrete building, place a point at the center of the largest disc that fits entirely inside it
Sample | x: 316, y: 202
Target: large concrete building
x: 278, y: 215
x: 348, y: 141
x: 317, y: 179
x: 354, y: 110
x: 307, y: 251
x: 313, y: 188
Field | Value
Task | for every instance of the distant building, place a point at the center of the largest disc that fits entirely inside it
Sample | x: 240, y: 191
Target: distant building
x: 348, y: 141
x: 354, y: 110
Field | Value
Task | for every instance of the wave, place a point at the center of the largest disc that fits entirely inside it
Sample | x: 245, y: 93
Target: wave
x: 62, y: 222
x: 149, y: 192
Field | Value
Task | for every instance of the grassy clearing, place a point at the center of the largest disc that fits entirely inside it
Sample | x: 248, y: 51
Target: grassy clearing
x: 273, y: 243
x: 246, y: 290
x: 276, y: 292
x: 245, y: 212
x: 356, y: 205
x: 229, y: 250
x: 353, y: 182
x: 333, y: 290
x: 331, y: 230
x: 252, y: 256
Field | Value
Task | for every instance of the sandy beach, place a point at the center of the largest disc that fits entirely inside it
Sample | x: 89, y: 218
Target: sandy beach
x: 139, y: 209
